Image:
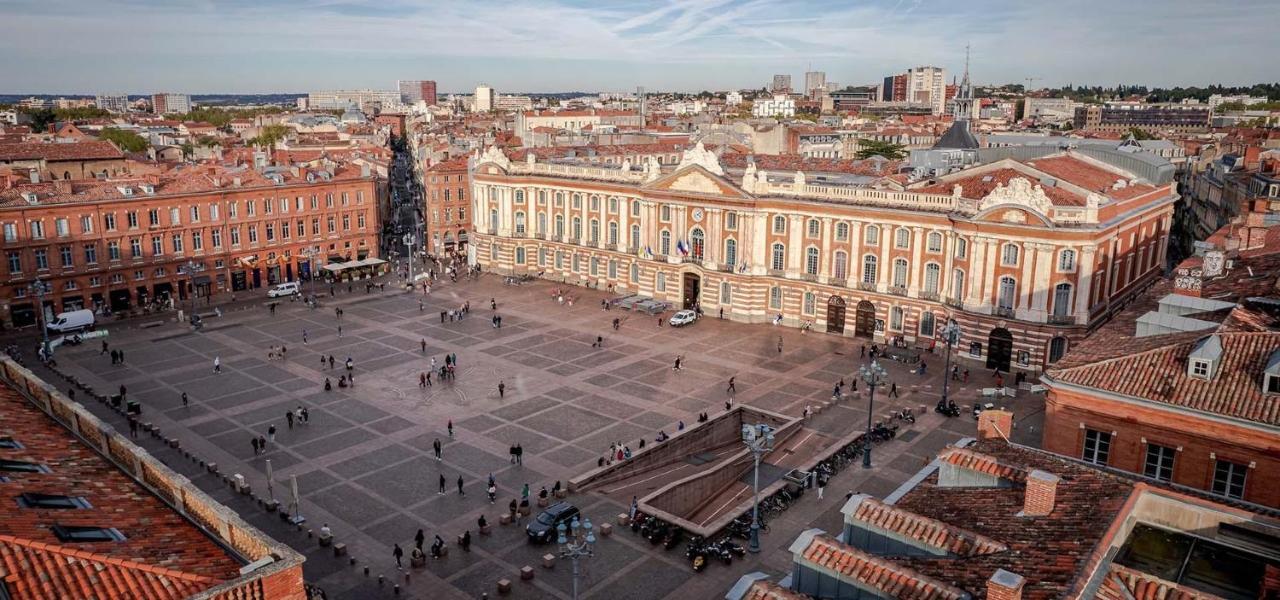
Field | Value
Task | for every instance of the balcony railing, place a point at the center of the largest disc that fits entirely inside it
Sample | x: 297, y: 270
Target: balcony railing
x: 898, y: 290
x: 931, y: 296
x: 839, y: 282
x: 1001, y: 311
x: 1062, y: 320
x: 866, y: 287
x: 777, y: 273
x: 539, y: 236
x: 611, y: 247
x: 953, y: 302
x: 725, y: 268
x: 809, y: 277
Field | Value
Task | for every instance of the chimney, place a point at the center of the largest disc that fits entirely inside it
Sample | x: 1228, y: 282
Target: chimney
x: 1042, y: 489
x: 34, y: 176
x: 995, y: 425
x: 1004, y: 585
x: 1257, y: 237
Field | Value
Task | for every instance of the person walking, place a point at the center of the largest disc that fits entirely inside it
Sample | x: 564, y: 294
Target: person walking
x: 893, y: 390
x: 424, y: 345
x: 502, y: 389
x: 450, y: 427
x: 779, y: 344
x: 422, y: 380
x: 419, y: 539
x: 822, y: 485
x: 733, y: 389
x: 440, y: 492
x: 304, y: 337
x: 519, y: 454
x: 331, y: 361
x: 460, y: 492
x: 133, y: 427
x: 217, y: 364
x: 288, y: 416
x: 254, y: 442
x: 105, y: 347
x: 436, y: 446
x: 676, y: 367
x: 397, y: 552
x: 262, y: 443
x: 184, y: 399
x: 271, y: 432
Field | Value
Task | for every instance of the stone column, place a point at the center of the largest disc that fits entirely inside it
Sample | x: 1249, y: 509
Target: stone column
x: 795, y: 244
x: 1022, y: 302
x: 1084, y: 283
x: 989, y: 250
x: 624, y: 226
x: 1043, y: 279
x: 917, y: 249
x: 885, y: 271
x: 948, y: 265
x: 825, y: 267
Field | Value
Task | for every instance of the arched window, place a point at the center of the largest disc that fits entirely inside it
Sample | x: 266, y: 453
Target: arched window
x: 926, y: 324
x: 869, y: 268
x: 1008, y: 286
x: 613, y: 204
x: 1057, y: 348
x: 1009, y: 255
x: 519, y: 223
x: 957, y: 283
x: 900, y: 272
x: 559, y: 225
x: 662, y: 281
x: 779, y: 260
x: 697, y: 244
x: 577, y: 201
x: 559, y: 199
x: 542, y: 197
x: 841, y: 265
x: 932, y: 273
x: 577, y: 229
x: 775, y: 298
x: 779, y: 224
x: 731, y: 253
x: 935, y: 242
x: 1067, y: 260
x: 519, y: 255
x: 595, y: 202
x: 635, y: 237
x: 542, y: 223
x: 613, y: 233
x: 895, y: 318
x: 811, y: 261
x: 815, y: 228
x: 595, y: 231
x: 664, y: 242
x: 872, y: 235
x: 902, y: 238
x: 842, y: 232
x: 726, y: 293
x: 1062, y: 300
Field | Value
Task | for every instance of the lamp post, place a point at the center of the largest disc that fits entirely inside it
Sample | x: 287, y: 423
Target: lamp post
x: 310, y: 253
x: 874, y: 375
x: 191, y: 267
x: 759, y: 439
x: 576, y: 542
x: 409, y: 239
x: 952, y: 334
x: 41, y: 288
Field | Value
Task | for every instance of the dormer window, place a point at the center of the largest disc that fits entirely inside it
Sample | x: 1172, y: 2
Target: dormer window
x: 1205, y: 358
x: 1271, y: 375
x: 1200, y: 369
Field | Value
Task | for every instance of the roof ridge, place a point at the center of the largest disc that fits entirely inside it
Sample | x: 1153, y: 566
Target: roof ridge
x: 980, y: 544
x: 1131, y: 579
x: 883, y: 574
x: 104, y: 559
x: 1114, y: 359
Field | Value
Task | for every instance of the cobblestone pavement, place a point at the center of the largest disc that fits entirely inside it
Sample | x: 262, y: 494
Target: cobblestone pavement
x: 364, y: 463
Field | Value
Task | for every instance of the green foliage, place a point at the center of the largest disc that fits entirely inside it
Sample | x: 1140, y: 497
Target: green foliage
x: 888, y: 150
x: 80, y: 114
x: 221, y: 117
x: 1139, y: 134
x: 125, y: 140
x: 270, y: 136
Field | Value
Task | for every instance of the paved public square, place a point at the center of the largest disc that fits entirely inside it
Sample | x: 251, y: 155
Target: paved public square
x: 364, y: 462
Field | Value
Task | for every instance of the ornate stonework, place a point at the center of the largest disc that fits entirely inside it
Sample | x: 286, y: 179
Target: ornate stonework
x: 695, y: 181
x: 494, y: 155
x: 698, y: 155
x: 1020, y: 191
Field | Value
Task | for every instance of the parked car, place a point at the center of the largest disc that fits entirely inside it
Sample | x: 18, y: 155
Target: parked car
x: 71, y: 321
x: 543, y: 528
x: 683, y: 318
x: 288, y: 288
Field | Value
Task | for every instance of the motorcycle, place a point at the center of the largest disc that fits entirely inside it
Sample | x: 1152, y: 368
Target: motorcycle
x: 905, y: 415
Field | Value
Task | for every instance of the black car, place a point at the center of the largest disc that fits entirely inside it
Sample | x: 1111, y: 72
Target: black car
x: 543, y: 528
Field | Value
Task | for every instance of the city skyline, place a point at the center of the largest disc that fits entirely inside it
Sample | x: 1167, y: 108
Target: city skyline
x: 685, y: 46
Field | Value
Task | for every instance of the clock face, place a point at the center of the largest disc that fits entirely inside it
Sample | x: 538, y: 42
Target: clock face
x: 697, y: 214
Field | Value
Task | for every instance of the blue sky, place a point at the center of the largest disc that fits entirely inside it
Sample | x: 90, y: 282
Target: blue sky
x: 246, y: 46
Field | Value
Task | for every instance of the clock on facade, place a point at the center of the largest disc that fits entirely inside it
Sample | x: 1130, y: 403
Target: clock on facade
x: 697, y: 214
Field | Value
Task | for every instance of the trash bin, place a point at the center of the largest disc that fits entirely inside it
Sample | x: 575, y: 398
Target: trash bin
x: 116, y: 400
x: 800, y: 478
x: 133, y: 408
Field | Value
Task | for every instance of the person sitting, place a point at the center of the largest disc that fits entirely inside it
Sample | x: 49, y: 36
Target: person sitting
x: 328, y: 385
x: 481, y: 522
x: 626, y: 453
x: 662, y: 436
x: 555, y: 489
x: 542, y: 493
x: 417, y: 558
x: 512, y: 507
x: 436, y: 546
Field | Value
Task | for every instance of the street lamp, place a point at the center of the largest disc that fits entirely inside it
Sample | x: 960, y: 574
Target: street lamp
x: 952, y: 334
x: 759, y: 439
x: 576, y: 542
x: 310, y: 253
x: 874, y: 375
x: 409, y: 239
x: 40, y: 288
x: 191, y: 267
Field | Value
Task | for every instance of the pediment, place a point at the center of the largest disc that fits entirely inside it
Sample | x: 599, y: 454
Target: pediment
x: 698, y: 180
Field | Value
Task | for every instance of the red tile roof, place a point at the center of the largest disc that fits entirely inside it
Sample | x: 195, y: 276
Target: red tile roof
x: 162, y: 556
x: 932, y: 532
x: 1122, y: 583
x: 1089, y: 176
x: 880, y: 574
x: 767, y: 590
x: 791, y: 163
x: 978, y: 185
x: 95, y: 150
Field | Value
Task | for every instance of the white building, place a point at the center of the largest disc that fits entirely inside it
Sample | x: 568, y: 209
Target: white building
x: 1049, y: 110
x: 814, y: 80
x: 483, y: 99
x: 779, y: 106
x: 341, y: 99
x: 1218, y: 99
x: 115, y: 103
x: 510, y: 103
x: 928, y: 85
x: 166, y: 104
x: 781, y: 83
x: 688, y: 108
x: 733, y: 99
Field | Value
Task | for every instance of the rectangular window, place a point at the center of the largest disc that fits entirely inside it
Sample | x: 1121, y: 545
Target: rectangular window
x: 1229, y: 478
x: 266, y: 206
x: 10, y: 232
x: 235, y: 236
x: 233, y: 209
x: 37, y: 230
x: 65, y: 254
x: 113, y: 250
x: 250, y: 208
x: 731, y: 221
x: 216, y: 237
x: 153, y: 217
x: 55, y: 501
x: 91, y: 254
x: 665, y: 213
x: 1159, y: 462
x: 22, y: 466
x: 77, y: 534
x: 195, y: 214
x: 8, y: 443
x: 62, y: 226
x: 177, y: 242
x: 175, y: 216
x: 1097, y: 446
x: 15, y: 262
x: 86, y: 224
x: 157, y: 245
x: 213, y: 212
x: 109, y: 221
x: 253, y: 235
x: 42, y: 259
x: 197, y: 242
x: 344, y: 198
x: 302, y: 228
x: 271, y: 232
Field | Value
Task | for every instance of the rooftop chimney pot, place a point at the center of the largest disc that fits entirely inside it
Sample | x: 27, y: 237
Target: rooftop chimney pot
x: 1004, y: 585
x: 1041, y: 493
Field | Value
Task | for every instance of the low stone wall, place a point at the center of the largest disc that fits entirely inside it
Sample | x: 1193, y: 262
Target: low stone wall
x: 275, y: 580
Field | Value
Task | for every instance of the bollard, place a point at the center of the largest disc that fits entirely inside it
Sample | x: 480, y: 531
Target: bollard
x: 381, y: 580
x: 397, y: 589
x: 366, y: 571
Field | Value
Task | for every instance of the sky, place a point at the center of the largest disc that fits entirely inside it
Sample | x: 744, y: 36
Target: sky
x: 268, y: 46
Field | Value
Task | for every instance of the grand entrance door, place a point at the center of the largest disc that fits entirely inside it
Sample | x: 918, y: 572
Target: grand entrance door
x: 835, y: 315
x: 692, y: 287
x: 864, y: 324
x: 999, y: 349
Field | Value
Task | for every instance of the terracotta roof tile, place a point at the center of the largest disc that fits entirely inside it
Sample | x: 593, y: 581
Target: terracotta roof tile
x: 38, y: 570
x: 978, y: 185
x: 767, y: 590
x: 929, y: 531
x: 1123, y: 583
x: 877, y: 573
x: 94, y: 150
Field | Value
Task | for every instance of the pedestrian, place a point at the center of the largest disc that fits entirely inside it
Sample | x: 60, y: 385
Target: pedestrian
x: 262, y: 443
x: 288, y: 416
x: 436, y: 446
x: 635, y: 507
x: 862, y: 352
x: 676, y: 367
x: 807, y: 411
x: 115, y: 357
x: 271, y: 431
x: 779, y: 344
x: 493, y: 492
x: 659, y: 321
x: 465, y: 541
x: 519, y: 454
x: 105, y: 347
x: 133, y: 427
x: 254, y: 441
x: 822, y: 485
x: 217, y: 364
x: 304, y: 336
x: 493, y: 304
x: 733, y: 389
x: 512, y: 452
x: 330, y: 361
x: 451, y: 436
x: 460, y: 492
x: 502, y: 389
x: 184, y: 399
x: 722, y: 313
x: 923, y: 366
x: 442, y: 483
x: 323, y: 360
x: 422, y: 380
x: 599, y: 341
x: 893, y: 390
x: 420, y: 306
x: 424, y: 345
x: 121, y: 354
x: 306, y: 414
x: 339, y: 331
x: 955, y: 373
x: 965, y: 379
x: 397, y: 552
x: 419, y: 539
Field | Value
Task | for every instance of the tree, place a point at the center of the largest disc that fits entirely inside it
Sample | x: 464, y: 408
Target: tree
x: 270, y: 136
x: 125, y: 140
x: 187, y: 150
x: 1139, y: 134
x: 888, y: 150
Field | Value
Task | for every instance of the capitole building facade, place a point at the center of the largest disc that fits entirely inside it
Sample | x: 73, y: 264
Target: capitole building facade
x: 1027, y: 255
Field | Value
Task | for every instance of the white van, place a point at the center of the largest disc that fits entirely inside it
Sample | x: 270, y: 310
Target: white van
x: 76, y: 320
x: 287, y: 288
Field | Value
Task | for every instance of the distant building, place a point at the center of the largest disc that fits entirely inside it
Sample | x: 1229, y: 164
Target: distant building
x: 447, y: 209
x: 512, y: 103
x: 928, y: 85
x: 170, y: 104
x: 113, y: 103
x: 1049, y: 110
x: 1120, y: 117
x: 1218, y: 99
x: 781, y: 83
x: 363, y: 99
x: 779, y: 106
x: 852, y: 99
x: 412, y: 91
x: 814, y: 80
x: 894, y: 88
x: 482, y: 101
x: 733, y: 99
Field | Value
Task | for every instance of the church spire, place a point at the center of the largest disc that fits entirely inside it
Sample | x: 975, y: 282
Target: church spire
x: 964, y: 96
